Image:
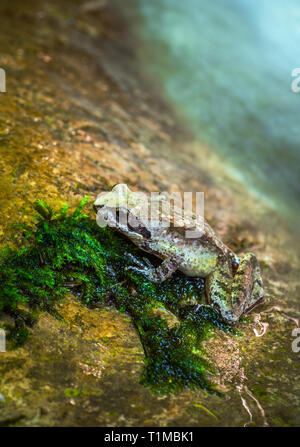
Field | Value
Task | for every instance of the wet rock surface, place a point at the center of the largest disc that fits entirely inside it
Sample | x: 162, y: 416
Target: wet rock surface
x: 77, y: 118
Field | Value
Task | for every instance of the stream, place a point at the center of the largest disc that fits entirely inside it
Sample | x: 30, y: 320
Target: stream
x: 227, y: 65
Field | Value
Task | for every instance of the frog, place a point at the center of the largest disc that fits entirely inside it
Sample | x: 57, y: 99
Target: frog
x: 233, y: 284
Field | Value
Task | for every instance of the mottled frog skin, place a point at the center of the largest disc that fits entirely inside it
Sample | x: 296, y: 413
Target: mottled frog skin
x: 233, y: 285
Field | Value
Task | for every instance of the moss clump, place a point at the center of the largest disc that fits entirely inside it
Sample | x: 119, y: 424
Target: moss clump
x: 68, y: 251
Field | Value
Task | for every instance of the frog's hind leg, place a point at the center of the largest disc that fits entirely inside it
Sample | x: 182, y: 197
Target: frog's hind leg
x: 234, y: 295
x: 218, y: 286
x: 247, y: 287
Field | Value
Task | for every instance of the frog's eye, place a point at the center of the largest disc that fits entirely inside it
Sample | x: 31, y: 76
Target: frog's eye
x: 235, y: 265
x: 121, y: 214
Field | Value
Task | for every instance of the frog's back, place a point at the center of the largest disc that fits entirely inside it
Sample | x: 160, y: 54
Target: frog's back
x: 198, y: 258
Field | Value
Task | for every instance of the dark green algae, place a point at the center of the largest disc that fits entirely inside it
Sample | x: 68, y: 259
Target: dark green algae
x: 67, y: 251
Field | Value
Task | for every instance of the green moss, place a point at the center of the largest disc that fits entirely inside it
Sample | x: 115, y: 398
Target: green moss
x: 18, y: 335
x: 72, y: 392
x: 69, y: 252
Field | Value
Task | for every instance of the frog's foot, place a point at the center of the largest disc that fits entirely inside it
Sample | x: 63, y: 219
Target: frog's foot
x: 233, y: 296
x: 137, y: 261
x: 158, y: 274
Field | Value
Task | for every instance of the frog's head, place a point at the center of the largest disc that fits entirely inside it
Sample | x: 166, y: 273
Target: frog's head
x: 123, y: 209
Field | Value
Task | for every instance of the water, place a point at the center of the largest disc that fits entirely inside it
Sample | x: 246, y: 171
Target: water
x: 227, y: 65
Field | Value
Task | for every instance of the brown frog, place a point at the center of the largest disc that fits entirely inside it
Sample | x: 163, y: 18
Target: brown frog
x: 233, y: 285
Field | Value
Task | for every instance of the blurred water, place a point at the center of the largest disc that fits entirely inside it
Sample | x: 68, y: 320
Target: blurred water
x: 227, y: 64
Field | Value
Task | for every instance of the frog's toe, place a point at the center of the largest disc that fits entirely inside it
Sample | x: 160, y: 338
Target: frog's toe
x: 143, y: 264
x: 135, y: 269
x: 142, y: 269
x: 148, y: 263
x: 135, y: 260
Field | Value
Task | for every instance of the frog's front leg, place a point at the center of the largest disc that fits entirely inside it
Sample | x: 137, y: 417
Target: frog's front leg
x: 235, y: 295
x: 158, y: 274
